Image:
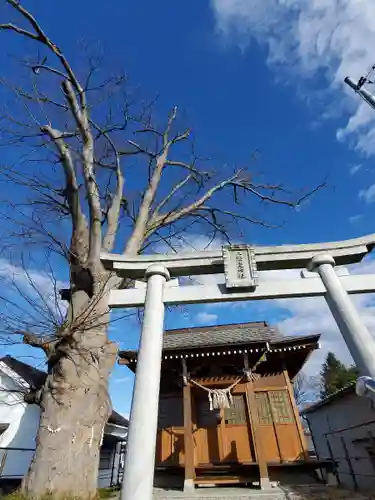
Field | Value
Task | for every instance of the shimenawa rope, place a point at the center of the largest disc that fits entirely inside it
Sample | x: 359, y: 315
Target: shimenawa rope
x: 219, y: 398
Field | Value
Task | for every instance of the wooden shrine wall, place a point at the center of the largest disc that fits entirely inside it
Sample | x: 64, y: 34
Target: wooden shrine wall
x: 280, y: 427
x: 170, y: 438
x: 227, y: 436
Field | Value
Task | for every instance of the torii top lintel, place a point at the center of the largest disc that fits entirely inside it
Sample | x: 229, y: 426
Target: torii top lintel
x: 267, y: 258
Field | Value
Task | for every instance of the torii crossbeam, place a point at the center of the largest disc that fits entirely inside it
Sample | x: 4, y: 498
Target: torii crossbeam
x: 239, y: 264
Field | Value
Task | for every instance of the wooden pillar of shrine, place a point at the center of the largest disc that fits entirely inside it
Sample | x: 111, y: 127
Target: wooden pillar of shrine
x: 188, y: 432
x: 257, y: 438
x: 296, y: 416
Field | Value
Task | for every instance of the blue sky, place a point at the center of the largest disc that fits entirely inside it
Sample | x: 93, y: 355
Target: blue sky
x: 251, y: 74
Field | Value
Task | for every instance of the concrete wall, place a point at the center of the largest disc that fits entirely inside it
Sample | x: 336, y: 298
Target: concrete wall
x: 347, y: 422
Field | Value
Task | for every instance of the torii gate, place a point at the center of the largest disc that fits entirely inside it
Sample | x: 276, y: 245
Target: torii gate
x: 239, y: 263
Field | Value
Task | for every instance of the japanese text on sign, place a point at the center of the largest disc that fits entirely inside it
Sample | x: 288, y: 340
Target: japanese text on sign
x: 239, y: 266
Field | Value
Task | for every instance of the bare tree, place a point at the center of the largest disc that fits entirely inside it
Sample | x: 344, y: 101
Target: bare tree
x: 80, y: 138
x: 306, y: 388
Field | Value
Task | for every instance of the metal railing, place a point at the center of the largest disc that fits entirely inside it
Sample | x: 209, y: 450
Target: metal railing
x: 345, y: 458
x: 347, y: 464
x: 14, y: 463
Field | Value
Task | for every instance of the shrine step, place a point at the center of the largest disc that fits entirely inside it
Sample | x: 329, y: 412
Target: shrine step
x: 226, y: 468
x: 169, y: 469
x: 212, y: 479
x: 226, y: 474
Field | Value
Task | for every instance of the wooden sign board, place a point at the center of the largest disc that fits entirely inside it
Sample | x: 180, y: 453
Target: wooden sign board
x: 239, y: 266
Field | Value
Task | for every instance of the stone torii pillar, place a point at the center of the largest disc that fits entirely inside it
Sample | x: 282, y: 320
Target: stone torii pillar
x: 137, y: 483
x: 358, y: 339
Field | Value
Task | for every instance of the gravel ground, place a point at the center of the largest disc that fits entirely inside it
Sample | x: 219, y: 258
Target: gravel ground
x: 295, y: 493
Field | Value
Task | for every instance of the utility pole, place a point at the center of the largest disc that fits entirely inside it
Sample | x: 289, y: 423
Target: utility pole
x: 359, y: 89
x: 365, y: 385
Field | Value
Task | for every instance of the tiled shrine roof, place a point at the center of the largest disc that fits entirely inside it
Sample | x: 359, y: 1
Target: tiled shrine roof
x: 240, y: 334
x: 207, y: 336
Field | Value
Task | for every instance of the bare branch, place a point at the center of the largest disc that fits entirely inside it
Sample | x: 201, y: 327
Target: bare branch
x: 174, y: 216
x: 113, y: 214
x: 305, y: 388
x: 169, y: 126
x: 72, y: 188
x: 37, y: 67
x: 181, y: 137
x: 140, y: 227
x: 42, y: 37
x: 187, y: 166
x: 81, y: 118
x: 17, y: 29
x: 79, y: 112
x: 171, y: 194
x: 138, y: 149
x: 36, y: 340
x: 245, y: 185
x: 236, y: 216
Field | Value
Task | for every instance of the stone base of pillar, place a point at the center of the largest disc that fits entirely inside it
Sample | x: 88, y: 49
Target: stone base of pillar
x: 189, y: 486
x: 265, y: 483
x: 332, y: 480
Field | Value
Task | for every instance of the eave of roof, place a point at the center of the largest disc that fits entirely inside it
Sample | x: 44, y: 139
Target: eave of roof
x: 282, y: 344
x: 32, y: 376
x: 349, y: 389
x: 117, y: 419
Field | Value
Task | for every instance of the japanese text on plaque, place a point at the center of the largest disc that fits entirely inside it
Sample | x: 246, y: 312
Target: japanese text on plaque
x: 240, y: 266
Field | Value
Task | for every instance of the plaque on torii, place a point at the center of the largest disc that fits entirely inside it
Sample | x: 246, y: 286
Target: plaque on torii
x: 240, y: 269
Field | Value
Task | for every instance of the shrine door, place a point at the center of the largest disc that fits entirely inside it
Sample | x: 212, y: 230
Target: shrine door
x: 223, y: 436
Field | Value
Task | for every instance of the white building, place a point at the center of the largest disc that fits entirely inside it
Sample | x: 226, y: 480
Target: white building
x: 19, y: 424
x: 343, y: 430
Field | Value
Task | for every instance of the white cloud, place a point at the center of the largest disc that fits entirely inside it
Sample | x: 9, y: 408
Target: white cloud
x: 306, y: 316
x: 32, y: 288
x: 187, y: 243
x: 329, y: 38
x: 208, y: 279
x: 300, y: 316
x: 310, y: 316
x: 353, y: 219
x: 368, y: 195
x: 193, y: 242
x: 355, y: 168
x: 205, y: 317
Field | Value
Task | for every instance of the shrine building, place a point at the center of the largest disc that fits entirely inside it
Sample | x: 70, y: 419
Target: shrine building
x: 227, y: 412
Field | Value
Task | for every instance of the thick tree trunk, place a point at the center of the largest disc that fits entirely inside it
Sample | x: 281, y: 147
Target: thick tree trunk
x: 75, y: 406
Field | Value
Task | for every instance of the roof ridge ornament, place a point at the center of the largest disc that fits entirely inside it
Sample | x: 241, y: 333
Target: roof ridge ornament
x: 240, y: 268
